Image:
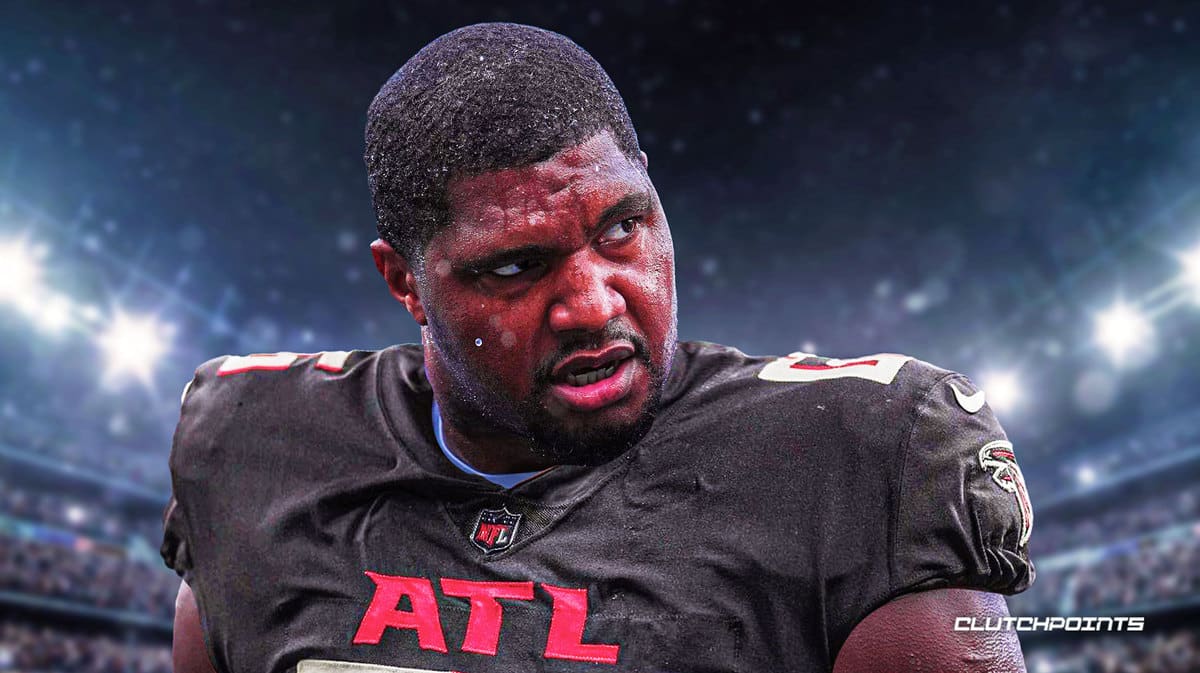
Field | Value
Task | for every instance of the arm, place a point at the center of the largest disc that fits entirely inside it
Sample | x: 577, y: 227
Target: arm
x: 963, y: 519
x: 915, y: 634
x: 187, y: 646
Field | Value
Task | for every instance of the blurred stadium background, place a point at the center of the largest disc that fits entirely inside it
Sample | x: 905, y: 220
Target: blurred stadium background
x: 1007, y: 190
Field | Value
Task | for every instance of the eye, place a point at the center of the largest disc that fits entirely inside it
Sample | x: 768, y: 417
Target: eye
x: 621, y: 230
x: 513, y: 269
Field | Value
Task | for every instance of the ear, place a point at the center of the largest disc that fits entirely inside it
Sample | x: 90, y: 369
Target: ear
x: 400, y: 279
x: 645, y: 159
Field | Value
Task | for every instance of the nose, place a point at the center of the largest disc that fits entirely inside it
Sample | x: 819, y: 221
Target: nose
x: 587, y: 300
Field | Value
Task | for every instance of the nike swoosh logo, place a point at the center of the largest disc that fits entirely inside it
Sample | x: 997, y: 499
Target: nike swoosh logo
x: 969, y: 403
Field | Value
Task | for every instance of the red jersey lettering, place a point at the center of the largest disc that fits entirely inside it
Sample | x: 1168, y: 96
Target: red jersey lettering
x: 382, y: 613
x: 483, y: 625
x: 566, y: 629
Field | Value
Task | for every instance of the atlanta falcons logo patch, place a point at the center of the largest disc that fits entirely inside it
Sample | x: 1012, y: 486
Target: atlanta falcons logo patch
x: 997, y: 457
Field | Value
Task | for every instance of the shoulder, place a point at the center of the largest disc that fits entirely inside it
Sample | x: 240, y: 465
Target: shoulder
x: 236, y: 375
x: 949, y: 451
x: 852, y: 419
x: 889, y: 374
x: 237, y: 402
x: 703, y: 361
x: 265, y: 427
x: 881, y: 389
x: 923, y: 434
x: 267, y: 379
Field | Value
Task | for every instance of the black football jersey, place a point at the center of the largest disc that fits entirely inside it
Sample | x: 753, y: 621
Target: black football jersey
x: 774, y: 503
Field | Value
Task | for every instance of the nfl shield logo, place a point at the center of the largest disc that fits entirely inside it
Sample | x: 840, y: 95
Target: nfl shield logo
x: 495, y: 530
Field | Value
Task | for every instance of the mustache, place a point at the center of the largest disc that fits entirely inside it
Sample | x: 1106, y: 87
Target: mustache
x: 590, y: 341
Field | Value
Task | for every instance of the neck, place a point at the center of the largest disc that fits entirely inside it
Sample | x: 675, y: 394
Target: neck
x: 493, y: 453
x: 479, y: 441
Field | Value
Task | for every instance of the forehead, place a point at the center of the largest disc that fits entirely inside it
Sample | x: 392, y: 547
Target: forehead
x: 564, y: 194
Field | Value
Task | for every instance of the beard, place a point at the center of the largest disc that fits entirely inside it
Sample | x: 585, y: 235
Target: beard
x: 565, y: 441
x: 559, y: 436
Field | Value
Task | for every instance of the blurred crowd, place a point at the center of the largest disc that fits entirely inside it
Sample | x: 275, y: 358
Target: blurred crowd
x: 76, y: 514
x: 1146, y: 573
x: 99, y: 577
x: 1171, y: 652
x: 42, y: 649
x: 1114, y: 522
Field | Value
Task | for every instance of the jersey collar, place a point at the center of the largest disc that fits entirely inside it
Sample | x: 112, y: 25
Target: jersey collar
x: 507, y: 480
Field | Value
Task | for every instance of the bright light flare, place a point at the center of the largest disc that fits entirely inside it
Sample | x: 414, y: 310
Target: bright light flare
x: 1086, y: 475
x: 1120, y: 330
x: 1003, y: 391
x: 20, y: 271
x: 53, y: 315
x: 1191, y: 271
x: 134, y: 346
x: 76, y: 514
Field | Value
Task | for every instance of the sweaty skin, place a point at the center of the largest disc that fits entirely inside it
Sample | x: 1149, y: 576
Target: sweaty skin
x: 915, y: 634
x: 187, y: 641
x: 570, y: 258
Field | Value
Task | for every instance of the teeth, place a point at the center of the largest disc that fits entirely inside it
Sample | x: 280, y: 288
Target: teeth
x: 591, y: 376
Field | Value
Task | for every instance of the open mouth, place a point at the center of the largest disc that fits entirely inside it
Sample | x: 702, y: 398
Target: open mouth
x: 591, y: 380
x: 590, y: 376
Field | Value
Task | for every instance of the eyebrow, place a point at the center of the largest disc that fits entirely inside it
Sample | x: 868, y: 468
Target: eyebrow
x: 504, y: 257
x: 634, y: 202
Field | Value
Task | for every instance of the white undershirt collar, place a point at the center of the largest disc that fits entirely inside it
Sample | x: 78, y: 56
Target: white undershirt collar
x: 503, y: 480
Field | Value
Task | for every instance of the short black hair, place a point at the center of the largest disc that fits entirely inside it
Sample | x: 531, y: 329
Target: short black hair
x: 481, y: 98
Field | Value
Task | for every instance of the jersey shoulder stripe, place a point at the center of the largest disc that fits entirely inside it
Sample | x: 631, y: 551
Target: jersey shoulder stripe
x: 805, y: 368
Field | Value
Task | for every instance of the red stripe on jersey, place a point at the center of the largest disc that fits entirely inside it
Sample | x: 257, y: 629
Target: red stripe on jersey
x: 869, y: 363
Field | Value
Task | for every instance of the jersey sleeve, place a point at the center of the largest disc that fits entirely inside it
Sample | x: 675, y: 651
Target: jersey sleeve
x: 964, y: 515
x: 175, y: 548
x: 177, y: 542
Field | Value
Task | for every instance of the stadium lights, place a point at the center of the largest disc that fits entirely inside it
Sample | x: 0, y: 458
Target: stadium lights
x: 1121, y: 329
x: 133, y: 346
x: 75, y: 514
x: 1191, y: 271
x: 53, y: 314
x: 1002, y: 390
x: 20, y: 271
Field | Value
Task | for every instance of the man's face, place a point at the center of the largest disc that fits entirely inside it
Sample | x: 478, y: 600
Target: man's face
x: 550, y: 301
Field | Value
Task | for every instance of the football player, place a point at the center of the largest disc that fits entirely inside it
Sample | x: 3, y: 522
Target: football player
x: 549, y: 481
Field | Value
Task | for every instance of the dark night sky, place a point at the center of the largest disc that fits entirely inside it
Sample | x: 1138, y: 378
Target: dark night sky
x: 969, y: 185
